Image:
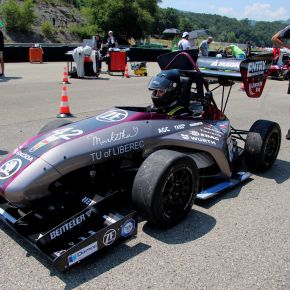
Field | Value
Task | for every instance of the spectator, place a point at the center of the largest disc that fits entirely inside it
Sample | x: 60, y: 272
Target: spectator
x: 276, y: 54
x: 184, y: 44
x: 1, y: 49
x: 97, y: 42
x: 204, y: 46
x: 235, y: 51
x: 279, y: 40
x: 279, y: 37
x: 175, y: 42
x: 111, y: 41
x: 248, y: 49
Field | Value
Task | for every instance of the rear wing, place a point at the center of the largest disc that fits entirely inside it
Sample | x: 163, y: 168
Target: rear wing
x: 252, y: 71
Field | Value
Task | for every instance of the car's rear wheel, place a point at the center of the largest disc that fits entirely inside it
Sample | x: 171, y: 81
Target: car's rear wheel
x: 54, y: 125
x: 262, y: 145
x: 165, y: 187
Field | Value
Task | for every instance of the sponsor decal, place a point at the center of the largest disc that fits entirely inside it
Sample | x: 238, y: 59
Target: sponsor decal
x: 163, y: 130
x: 24, y: 156
x: 195, y: 124
x: 81, y: 254
x: 214, y: 133
x: 114, y: 136
x: 114, y: 115
x: 109, y: 237
x: 118, y: 150
x: 255, y: 88
x: 69, y: 225
x: 256, y: 68
x: 207, y: 136
x: 179, y: 127
x: 88, y: 201
x: 214, y: 129
x: 199, y: 139
x: 10, y: 167
x: 194, y: 133
x: 223, y: 127
x: 226, y: 64
x: 128, y: 228
x: 60, y: 134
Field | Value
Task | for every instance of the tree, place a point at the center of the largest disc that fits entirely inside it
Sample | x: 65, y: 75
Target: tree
x: 18, y: 17
x: 125, y: 17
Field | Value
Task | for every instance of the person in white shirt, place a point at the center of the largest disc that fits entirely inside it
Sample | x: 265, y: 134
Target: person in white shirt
x: 184, y: 44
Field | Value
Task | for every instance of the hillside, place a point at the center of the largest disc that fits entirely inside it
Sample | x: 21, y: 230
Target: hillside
x: 59, y: 16
x: 135, y: 18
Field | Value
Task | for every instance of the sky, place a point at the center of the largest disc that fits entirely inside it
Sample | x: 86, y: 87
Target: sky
x: 266, y: 10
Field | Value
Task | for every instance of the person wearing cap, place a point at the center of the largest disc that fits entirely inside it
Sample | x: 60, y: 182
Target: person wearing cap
x: 184, y: 44
x: 204, y: 46
x: 1, y: 49
x: 111, y: 41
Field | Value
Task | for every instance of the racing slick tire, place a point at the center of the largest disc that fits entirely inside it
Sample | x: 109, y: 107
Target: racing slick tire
x: 262, y: 145
x: 53, y: 125
x: 165, y: 187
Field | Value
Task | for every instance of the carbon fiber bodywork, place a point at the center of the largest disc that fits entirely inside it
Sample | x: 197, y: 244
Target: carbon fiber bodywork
x: 44, y: 159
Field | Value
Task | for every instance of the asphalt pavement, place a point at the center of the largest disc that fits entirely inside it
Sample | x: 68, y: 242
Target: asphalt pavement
x: 237, y: 240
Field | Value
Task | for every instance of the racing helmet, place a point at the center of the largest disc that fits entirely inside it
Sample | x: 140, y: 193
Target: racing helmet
x: 166, y: 89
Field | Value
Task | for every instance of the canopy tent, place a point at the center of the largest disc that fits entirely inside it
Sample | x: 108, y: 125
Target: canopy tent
x: 197, y: 33
x: 171, y: 31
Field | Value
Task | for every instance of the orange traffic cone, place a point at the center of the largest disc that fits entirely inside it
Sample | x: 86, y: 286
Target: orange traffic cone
x: 64, y: 106
x: 65, y: 77
x: 126, y: 74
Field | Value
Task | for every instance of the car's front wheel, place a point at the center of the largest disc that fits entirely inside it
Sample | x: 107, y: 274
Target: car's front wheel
x: 165, y: 187
x: 262, y: 145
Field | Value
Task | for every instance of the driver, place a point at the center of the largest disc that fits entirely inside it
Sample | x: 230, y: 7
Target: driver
x: 166, y: 94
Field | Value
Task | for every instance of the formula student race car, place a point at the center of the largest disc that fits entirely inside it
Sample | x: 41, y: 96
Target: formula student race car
x: 77, y: 188
x: 280, y: 70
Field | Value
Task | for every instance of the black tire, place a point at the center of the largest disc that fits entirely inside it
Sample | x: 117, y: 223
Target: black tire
x: 262, y: 145
x: 53, y: 125
x: 165, y: 187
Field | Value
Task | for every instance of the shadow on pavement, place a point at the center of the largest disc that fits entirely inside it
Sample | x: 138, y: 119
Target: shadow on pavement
x: 88, y: 269
x: 94, y: 267
x: 280, y: 172
x: 7, y: 79
x: 226, y: 194
x: 194, y: 226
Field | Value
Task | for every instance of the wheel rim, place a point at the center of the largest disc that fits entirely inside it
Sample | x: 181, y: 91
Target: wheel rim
x: 177, y: 192
x: 271, y: 147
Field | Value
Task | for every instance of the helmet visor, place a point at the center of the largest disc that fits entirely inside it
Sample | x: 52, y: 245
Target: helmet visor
x: 157, y: 83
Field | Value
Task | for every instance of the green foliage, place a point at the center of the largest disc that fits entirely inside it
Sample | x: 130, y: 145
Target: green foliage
x: 126, y: 18
x: 227, y: 29
x: 138, y: 18
x: 85, y: 31
x: 18, y: 17
x: 47, y: 29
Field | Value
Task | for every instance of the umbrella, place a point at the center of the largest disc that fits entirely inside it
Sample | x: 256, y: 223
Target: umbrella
x: 197, y: 33
x: 171, y: 30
